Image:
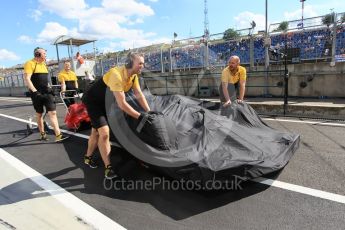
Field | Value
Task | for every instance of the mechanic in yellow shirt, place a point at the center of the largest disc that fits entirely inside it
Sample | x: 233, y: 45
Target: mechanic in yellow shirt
x: 118, y: 80
x: 36, y: 79
x: 233, y: 74
x: 68, y: 81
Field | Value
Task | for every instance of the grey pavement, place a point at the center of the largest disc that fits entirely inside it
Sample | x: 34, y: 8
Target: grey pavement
x: 318, y: 164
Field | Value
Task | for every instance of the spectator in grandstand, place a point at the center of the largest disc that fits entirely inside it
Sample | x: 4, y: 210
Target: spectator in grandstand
x: 36, y: 79
x: 236, y: 75
x: 119, y: 80
x: 69, y: 81
x: 79, y: 58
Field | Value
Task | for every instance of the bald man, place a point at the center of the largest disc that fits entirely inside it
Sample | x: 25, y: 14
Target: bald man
x: 231, y: 75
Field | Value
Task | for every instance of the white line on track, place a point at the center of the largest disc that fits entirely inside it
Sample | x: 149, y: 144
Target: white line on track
x: 18, y: 99
x: 15, y: 99
x: 86, y: 212
x: 62, y: 130
x: 301, y: 189
x: 274, y: 183
x: 325, y: 123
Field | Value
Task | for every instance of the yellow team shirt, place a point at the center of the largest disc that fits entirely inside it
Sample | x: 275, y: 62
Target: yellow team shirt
x: 117, y: 80
x: 67, y: 76
x: 31, y: 66
x: 228, y: 77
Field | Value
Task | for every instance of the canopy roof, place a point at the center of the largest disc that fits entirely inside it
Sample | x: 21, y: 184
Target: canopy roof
x: 66, y: 40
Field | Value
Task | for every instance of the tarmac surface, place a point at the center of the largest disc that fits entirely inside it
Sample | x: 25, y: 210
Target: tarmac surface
x: 45, y: 185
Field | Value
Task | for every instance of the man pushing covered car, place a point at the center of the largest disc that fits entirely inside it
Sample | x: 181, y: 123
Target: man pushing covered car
x: 118, y: 80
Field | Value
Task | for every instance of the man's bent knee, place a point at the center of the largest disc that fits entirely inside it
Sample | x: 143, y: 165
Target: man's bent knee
x: 104, y: 136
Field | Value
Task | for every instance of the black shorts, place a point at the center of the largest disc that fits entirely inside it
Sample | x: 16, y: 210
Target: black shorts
x: 97, y: 115
x: 44, y: 100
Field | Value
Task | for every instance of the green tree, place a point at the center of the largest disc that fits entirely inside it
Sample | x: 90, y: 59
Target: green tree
x: 328, y: 19
x: 283, y: 26
x: 230, y: 34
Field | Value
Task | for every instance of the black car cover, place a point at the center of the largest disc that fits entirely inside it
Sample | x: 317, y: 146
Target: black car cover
x: 188, y: 136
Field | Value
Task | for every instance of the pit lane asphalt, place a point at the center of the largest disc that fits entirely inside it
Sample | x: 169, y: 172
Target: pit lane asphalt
x: 319, y: 163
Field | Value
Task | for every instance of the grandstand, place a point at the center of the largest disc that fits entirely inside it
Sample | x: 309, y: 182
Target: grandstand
x: 313, y: 42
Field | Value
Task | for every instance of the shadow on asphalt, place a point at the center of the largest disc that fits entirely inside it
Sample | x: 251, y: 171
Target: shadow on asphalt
x: 176, y: 203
